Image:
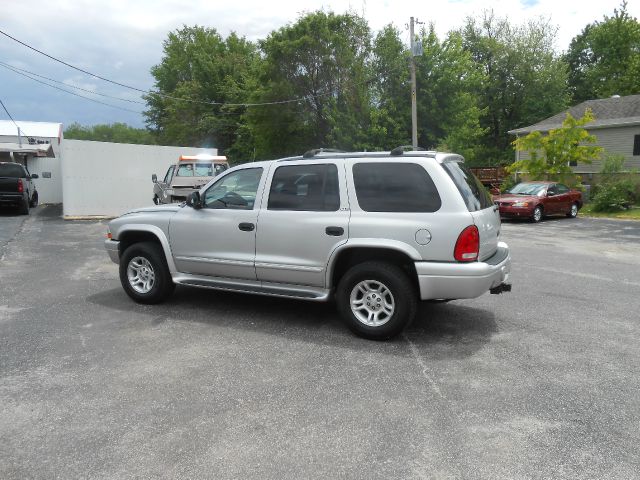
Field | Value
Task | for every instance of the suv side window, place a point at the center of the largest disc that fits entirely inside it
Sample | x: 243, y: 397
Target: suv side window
x: 395, y: 187
x: 235, y: 191
x: 305, y: 188
x: 167, y: 177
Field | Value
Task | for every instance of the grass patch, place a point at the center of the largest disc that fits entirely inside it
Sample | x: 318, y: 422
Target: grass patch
x: 632, y: 214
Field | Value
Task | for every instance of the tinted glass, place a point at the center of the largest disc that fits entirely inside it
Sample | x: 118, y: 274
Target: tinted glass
x: 12, y: 170
x: 562, y: 188
x: 395, y: 187
x: 305, y: 188
x: 219, y: 168
x: 474, y: 194
x: 235, y: 191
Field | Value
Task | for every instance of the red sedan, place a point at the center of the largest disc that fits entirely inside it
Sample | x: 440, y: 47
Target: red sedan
x: 533, y: 200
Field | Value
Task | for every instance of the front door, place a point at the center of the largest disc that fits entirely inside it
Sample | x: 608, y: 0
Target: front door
x: 305, y: 219
x: 161, y: 186
x: 219, y: 239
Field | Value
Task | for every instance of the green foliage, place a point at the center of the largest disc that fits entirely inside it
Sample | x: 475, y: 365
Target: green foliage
x: 612, y: 163
x: 115, y: 133
x: 447, y: 96
x: 322, y: 60
x: 614, y: 196
x: 614, y: 193
x: 390, y: 112
x: 523, y: 80
x: 198, y: 68
x: 551, y: 154
x: 604, y: 59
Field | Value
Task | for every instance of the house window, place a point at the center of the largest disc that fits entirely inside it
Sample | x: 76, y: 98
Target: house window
x: 636, y: 145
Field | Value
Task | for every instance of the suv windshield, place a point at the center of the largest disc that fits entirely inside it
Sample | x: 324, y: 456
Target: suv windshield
x: 475, y: 195
x: 197, y: 170
x: 528, y: 189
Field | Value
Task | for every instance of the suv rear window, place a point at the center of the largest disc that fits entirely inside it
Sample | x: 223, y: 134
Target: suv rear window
x: 395, y: 187
x: 11, y: 170
x: 475, y: 195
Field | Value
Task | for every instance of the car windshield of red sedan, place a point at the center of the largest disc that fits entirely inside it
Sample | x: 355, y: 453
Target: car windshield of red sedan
x: 528, y: 189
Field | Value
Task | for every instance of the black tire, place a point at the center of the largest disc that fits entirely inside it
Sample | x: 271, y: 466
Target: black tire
x: 34, y: 200
x: 146, y: 256
x: 395, y: 281
x: 573, y: 213
x: 23, y: 208
x: 156, y: 200
x: 538, y: 213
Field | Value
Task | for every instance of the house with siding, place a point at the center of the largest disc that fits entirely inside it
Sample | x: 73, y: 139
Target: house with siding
x: 616, y: 127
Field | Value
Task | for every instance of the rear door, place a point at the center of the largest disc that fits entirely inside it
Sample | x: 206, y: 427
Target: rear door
x: 482, y: 208
x: 304, y: 220
x: 564, y: 195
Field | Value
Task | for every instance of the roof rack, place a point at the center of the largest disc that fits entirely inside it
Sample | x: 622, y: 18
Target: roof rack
x: 312, y: 153
x: 396, y: 152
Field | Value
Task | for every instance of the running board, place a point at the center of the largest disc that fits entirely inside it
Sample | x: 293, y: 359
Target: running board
x: 255, y: 287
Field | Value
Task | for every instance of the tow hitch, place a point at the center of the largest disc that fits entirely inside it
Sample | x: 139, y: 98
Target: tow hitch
x: 503, y: 287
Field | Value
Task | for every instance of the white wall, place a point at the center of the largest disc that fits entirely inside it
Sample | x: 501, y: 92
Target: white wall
x: 107, y: 179
x: 49, y: 189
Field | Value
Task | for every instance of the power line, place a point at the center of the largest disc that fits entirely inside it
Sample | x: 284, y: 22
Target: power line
x: 14, y: 122
x: 73, y: 93
x: 149, y: 92
x: 18, y: 70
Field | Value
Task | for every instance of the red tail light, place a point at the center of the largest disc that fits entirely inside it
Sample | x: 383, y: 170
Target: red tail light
x: 468, y: 245
x: 20, y: 186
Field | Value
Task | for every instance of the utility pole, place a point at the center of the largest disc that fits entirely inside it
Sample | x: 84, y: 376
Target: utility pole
x: 415, y: 51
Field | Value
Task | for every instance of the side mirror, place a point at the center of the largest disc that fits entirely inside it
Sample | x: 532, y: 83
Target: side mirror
x: 35, y: 175
x: 154, y: 178
x: 194, y: 200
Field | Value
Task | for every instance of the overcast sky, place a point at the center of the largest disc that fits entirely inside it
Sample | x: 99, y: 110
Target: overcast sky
x: 122, y: 39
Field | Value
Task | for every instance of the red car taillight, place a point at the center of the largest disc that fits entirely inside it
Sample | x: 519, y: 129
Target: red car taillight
x: 20, y: 186
x: 468, y: 245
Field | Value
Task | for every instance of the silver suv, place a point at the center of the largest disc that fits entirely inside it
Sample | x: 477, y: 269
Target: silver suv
x: 376, y: 231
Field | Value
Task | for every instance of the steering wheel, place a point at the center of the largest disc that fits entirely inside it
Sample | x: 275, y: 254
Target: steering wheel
x: 235, y: 199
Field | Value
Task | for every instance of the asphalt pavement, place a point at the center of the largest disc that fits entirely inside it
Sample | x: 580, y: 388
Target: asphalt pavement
x: 542, y: 382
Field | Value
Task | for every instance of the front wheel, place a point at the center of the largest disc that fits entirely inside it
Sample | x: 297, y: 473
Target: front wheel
x: 144, y: 273
x: 34, y: 200
x: 573, y: 213
x: 376, y: 300
x: 537, y: 214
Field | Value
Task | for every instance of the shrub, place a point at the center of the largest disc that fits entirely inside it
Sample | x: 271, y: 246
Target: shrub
x: 614, y: 196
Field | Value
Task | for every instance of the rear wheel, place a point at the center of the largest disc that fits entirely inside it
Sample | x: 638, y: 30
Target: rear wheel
x: 573, y: 213
x: 144, y: 273
x: 23, y: 208
x: 537, y: 214
x: 376, y: 300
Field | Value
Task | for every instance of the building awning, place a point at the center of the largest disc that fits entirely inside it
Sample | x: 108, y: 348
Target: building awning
x: 39, y: 150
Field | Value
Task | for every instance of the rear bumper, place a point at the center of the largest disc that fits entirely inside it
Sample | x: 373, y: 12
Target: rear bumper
x: 450, y: 281
x: 113, y: 249
x: 12, y: 198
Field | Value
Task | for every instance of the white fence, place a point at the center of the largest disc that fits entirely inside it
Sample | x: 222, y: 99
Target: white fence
x: 107, y: 179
